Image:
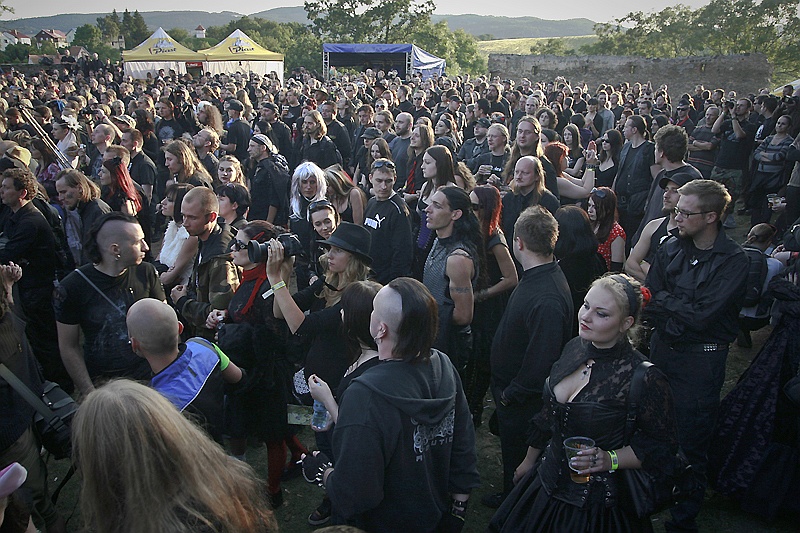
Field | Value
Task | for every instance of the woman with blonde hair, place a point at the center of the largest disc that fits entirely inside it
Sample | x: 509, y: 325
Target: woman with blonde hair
x: 230, y: 171
x: 184, y: 166
x: 244, y: 98
x: 348, y: 199
x: 209, y: 116
x: 346, y: 262
x: 144, y: 468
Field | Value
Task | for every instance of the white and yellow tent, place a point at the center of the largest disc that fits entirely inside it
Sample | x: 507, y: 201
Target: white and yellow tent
x: 240, y: 53
x: 159, y: 51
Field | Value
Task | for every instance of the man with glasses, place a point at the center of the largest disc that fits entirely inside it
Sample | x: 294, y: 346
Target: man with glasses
x: 389, y: 221
x: 697, y: 283
x: 419, y: 107
x: 682, y: 118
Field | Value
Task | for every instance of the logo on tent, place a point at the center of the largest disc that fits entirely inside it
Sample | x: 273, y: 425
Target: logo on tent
x: 240, y: 46
x: 162, y: 46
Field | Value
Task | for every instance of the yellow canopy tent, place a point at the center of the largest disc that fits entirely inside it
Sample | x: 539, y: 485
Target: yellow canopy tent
x: 239, y: 53
x: 159, y: 51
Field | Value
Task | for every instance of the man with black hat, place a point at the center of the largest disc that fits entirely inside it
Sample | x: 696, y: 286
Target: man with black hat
x: 269, y: 182
x: 659, y: 230
x: 281, y: 133
x: 239, y: 132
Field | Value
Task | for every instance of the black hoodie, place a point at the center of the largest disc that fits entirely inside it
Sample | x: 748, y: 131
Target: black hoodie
x: 403, y: 444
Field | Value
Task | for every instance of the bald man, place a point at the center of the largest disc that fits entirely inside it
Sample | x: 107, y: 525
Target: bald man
x: 192, y: 375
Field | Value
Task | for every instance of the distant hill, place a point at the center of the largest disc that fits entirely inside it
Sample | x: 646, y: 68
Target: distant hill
x: 497, y: 27
x: 523, y: 45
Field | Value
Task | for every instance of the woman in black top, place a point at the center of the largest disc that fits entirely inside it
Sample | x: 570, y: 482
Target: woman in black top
x: 586, y: 394
x: 491, y: 299
x: 610, y: 145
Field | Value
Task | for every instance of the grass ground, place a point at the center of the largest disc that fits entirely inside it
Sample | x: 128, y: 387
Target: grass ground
x: 718, y: 515
x: 523, y: 45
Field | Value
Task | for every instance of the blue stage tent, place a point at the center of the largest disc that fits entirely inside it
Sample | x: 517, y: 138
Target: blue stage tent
x: 404, y: 58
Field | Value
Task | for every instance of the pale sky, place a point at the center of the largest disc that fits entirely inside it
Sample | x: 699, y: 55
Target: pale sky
x: 513, y: 8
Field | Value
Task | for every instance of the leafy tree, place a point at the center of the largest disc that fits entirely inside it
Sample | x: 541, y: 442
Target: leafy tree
x: 16, y: 53
x: 367, y: 21
x: 180, y: 35
x: 721, y: 27
x: 88, y: 36
x: 138, y: 30
x: 4, y: 8
x: 110, y: 26
x: 554, y: 46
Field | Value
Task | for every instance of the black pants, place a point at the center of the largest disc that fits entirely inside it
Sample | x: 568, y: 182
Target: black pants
x: 513, y: 422
x: 696, y: 378
x: 40, y: 328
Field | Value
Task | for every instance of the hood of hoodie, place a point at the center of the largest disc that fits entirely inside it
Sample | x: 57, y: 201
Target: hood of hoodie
x: 424, y: 391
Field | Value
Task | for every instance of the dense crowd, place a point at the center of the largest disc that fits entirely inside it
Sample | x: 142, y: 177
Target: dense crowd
x: 386, y: 251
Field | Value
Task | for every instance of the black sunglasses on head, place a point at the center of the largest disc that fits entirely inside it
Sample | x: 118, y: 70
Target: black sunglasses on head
x: 319, y: 204
x: 381, y: 164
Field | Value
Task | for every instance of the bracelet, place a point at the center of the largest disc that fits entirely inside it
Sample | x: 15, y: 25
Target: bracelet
x: 281, y: 284
x: 592, y: 167
x: 614, y: 459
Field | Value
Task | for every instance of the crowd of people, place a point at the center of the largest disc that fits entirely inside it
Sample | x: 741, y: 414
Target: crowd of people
x: 389, y: 251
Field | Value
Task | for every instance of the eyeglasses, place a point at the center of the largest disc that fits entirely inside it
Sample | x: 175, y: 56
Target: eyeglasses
x: 686, y: 214
x: 383, y: 163
x: 238, y: 245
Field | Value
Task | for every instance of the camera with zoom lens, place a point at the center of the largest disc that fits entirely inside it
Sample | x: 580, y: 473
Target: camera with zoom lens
x: 258, y: 252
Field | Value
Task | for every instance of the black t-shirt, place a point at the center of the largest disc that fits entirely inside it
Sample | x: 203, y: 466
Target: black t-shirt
x: 734, y: 153
x: 239, y: 134
x: 105, y: 349
x: 169, y: 130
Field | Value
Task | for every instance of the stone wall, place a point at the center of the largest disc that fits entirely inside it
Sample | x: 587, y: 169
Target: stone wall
x: 743, y: 73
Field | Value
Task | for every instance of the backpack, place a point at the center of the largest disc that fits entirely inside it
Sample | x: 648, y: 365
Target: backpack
x: 756, y: 276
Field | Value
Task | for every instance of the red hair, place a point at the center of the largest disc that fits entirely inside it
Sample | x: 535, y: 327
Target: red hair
x: 491, y: 208
x: 121, y: 182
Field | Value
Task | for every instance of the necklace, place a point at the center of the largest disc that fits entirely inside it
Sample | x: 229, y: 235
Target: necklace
x: 587, y: 370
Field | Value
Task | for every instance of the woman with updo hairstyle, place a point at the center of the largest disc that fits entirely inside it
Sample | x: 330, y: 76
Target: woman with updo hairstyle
x: 145, y: 468
x: 587, y: 394
x: 602, y: 209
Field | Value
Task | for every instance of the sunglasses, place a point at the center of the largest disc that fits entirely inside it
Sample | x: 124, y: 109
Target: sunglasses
x: 319, y: 204
x: 380, y: 164
x: 600, y: 193
x: 238, y: 245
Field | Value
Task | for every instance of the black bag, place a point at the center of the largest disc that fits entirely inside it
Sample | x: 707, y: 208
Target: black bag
x: 641, y: 491
x: 54, y: 413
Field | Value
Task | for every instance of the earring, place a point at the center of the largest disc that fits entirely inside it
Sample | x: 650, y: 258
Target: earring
x: 117, y: 257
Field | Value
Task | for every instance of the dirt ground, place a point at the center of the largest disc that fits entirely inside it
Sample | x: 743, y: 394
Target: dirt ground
x: 718, y: 515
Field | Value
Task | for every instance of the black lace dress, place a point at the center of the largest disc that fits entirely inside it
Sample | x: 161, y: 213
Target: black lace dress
x: 547, y: 499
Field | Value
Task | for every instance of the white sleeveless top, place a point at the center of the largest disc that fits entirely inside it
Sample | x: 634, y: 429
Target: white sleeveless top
x: 174, y: 238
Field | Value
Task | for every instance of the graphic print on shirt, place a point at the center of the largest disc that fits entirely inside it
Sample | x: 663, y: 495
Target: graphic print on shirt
x: 426, y: 436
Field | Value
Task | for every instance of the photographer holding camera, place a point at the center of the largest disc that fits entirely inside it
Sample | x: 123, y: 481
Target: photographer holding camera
x: 346, y: 261
x: 737, y: 135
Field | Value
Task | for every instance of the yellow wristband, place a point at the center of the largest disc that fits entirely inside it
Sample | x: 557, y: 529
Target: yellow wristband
x: 614, y: 459
x: 281, y: 284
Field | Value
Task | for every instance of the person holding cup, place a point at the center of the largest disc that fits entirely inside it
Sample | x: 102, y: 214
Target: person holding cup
x: 568, y: 483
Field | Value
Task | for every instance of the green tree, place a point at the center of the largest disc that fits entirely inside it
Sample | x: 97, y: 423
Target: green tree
x: 110, y: 26
x: 554, y: 46
x: 138, y: 30
x: 367, y: 21
x: 16, y: 53
x: 180, y: 35
x: 722, y: 27
x: 4, y: 8
x: 88, y: 36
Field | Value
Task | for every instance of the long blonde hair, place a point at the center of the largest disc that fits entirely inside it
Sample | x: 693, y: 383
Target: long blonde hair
x: 146, y: 468
x: 356, y: 270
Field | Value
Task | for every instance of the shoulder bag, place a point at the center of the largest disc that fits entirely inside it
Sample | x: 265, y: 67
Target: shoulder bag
x: 642, y: 492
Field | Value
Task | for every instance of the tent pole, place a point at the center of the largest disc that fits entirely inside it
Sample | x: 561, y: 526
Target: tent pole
x: 409, y: 65
x: 326, y: 62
